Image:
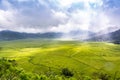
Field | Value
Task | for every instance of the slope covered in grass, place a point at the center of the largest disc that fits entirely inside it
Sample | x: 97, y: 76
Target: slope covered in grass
x: 51, y: 56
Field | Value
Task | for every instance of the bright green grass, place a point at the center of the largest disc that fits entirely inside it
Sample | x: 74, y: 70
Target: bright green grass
x: 39, y: 56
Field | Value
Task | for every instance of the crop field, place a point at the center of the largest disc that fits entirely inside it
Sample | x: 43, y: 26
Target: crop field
x: 50, y: 56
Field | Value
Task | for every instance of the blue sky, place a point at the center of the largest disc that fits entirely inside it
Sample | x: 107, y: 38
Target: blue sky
x: 59, y: 15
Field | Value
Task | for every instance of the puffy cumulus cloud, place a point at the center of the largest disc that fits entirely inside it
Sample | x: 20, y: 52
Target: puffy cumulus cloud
x: 58, y: 15
x: 7, y: 15
x: 90, y: 17
x: 78, y: 20
x: 28, y: 14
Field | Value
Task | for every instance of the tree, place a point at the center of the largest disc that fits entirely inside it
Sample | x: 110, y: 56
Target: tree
x: 8, y: 70
x: 66, y: 72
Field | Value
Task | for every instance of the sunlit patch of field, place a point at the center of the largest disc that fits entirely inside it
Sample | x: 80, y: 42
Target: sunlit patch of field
x: 40, y: 56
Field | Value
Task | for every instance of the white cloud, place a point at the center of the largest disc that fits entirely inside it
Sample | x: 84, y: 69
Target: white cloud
x: 54, y: 15
x: 59, y: 15
x: 83, y: 19
x: 23, y: 0
x: 65, y: 3
x: 7, y: 18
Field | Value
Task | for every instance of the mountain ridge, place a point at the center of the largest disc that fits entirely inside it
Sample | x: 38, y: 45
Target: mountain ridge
x: 12, y: 35
x: 111, y: 37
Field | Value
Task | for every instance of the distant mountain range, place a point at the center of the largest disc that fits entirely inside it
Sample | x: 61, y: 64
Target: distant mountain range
x: 79, y: 35
x: 11, y: 35
x: 111, y: 37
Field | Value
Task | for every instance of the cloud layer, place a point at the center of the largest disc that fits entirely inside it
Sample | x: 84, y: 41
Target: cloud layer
x: 58, y: 15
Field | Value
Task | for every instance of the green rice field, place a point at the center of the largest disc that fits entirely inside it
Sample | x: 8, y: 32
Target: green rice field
x: 50, y: 56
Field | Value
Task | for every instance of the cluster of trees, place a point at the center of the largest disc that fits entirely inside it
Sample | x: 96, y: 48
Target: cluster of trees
x: 10, y: 71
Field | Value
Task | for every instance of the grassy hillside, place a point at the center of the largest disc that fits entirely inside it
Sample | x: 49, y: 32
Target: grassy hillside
x: 51, y: 56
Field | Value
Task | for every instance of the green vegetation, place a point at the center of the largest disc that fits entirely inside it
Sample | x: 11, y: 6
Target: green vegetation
x: 60, y: 60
